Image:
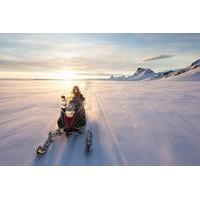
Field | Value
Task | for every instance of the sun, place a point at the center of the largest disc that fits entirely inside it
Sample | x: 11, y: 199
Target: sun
x: 69, y: 75
x: 66, y: 75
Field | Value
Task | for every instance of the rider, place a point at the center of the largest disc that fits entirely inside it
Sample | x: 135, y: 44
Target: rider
x: 78, y: 98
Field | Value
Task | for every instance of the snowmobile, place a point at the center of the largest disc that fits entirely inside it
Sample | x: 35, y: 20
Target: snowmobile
x: 72, y: 121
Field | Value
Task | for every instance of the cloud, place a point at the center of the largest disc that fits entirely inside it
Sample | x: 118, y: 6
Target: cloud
x: 25, y: 65
x: 80, y: 64
x: 164, y: 56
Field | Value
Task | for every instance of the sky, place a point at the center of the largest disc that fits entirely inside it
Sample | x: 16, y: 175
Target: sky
x: 69, y: 56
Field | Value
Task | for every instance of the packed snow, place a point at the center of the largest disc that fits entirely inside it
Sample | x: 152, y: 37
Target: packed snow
x: 133, y: 123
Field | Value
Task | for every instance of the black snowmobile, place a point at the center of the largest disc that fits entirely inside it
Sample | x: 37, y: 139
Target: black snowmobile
x: 72, y: 121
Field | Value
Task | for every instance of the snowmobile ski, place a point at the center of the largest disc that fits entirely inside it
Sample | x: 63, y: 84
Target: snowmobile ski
x: 41, y: 150
x: 88, y: 142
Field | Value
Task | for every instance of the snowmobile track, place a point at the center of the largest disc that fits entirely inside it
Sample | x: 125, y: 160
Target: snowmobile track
x: 110, y: 131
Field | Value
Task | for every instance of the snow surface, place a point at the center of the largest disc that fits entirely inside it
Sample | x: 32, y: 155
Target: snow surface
x: 133, y: 123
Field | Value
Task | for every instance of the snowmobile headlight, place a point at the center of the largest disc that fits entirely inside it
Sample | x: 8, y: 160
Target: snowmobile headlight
x: 70, y: 114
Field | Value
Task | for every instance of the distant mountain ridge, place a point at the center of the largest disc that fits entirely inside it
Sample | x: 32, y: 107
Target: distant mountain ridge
x: 148, y: 74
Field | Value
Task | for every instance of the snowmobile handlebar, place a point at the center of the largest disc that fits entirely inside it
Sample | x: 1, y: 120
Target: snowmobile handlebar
x: 65, y: 102
x: 63, y: 97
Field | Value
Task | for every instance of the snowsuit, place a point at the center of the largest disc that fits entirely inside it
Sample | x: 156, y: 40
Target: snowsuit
x: 78, y: 99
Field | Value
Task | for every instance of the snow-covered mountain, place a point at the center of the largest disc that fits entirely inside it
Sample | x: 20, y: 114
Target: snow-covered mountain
x: 196, y: 64
x: 191, y: 72
x: 190, y: 75
x: 140, y: 74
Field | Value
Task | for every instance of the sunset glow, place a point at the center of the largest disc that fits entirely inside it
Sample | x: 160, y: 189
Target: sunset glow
x: 83, y: 56
x: 66, y: 75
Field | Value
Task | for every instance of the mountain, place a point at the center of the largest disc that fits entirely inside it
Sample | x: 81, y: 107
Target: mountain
x: 191, y: 72
x: 196, y: 64
x: 140, y: 74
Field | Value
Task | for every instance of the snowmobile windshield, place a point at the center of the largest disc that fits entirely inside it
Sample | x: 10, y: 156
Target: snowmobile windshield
x: 70, y: 109
x: 70, y: 113
x: 69, y: 103
x: 65, y: 100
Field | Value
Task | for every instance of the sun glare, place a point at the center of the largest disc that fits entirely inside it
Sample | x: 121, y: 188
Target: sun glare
x: 66, y: 75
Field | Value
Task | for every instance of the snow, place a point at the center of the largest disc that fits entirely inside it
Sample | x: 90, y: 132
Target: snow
x: 133, y: 123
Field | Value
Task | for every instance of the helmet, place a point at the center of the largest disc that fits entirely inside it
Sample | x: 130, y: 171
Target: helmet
x: 76, y: 89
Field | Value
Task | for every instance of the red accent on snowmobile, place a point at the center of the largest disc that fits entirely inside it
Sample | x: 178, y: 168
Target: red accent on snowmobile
x: 69, y: 121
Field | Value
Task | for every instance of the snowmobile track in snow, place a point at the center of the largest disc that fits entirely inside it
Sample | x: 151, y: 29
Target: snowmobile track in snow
x: 110, y: 131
